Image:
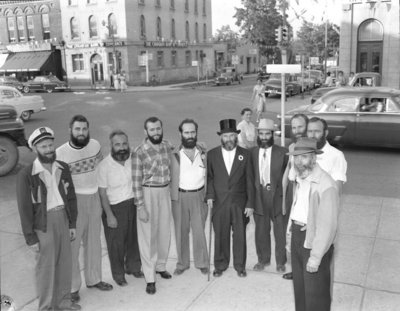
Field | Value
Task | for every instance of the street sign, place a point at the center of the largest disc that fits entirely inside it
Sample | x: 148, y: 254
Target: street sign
x: 298, y: 58
x: 294, y: 68
x: 195, y: 63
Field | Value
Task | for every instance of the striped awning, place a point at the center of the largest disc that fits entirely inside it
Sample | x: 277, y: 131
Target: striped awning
x: 26, y: 61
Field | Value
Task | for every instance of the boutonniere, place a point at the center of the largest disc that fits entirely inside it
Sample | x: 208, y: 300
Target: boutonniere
x: 240, y: 157
x: 203, y: 156
x: 66, y: 185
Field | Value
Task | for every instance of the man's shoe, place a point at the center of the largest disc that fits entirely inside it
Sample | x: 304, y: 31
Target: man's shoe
x: 75, y: 297
x: 242, y: 274
x: 151, y: 288
x: 260, y: 266
x: 217, y: 273
x: 179, y: 271
x: 288, y: 276
x: 164, y: 274
x: 101, y: 286
x: 280, y: 268
x: 204, y: 270
x: 121, y: 282
x: 138, y: 274
x: 72, y: 306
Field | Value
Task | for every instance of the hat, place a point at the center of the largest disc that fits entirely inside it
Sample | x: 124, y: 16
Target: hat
x: 305, y: 145
x: 228, y: 126
x: 39, y: 134
x: 266, y: 124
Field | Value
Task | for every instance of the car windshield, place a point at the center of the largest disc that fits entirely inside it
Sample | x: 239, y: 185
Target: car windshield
x: 317, y: 106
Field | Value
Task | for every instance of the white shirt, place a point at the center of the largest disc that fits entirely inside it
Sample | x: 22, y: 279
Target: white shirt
x: 301, y: 201
x: 116, y: 179
x: 228, y: 156
x: 191, y: 174
x: 264, y: 165
x: 333, y: 162
x: 249, y: 130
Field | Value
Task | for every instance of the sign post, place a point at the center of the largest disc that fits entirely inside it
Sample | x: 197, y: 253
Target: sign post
x: 146, y: 56
x: 195, y: 63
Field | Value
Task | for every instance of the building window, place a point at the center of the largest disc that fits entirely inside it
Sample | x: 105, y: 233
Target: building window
x: 142, y: 28
x: 197, y: 55
x: 74, y: 28
x: 112, y: 23
x: 241, y: 59
x: 72, y: 2
x: 92, y: 27
x: 141, y: 2
x: 204, y: 32
x: 186, y: 5
x: 29, y: 24
x: 160, y: 59
x: 188, y: 58
x: 91, y: 1
x: 173, y: 29
x: 159, y: 33
x: 255, y: 60
x: 11, y: 29
x: 196, y: 11
x: 77, y: 62
x: 173, y: 58
x: 196, y: 31
x: 187, y: 31
x: 44, y: 10
x: 172, y: 4
x: 21, y: 28
x: 370, y: 30
x: 158, y: 3
x: 204, y: 7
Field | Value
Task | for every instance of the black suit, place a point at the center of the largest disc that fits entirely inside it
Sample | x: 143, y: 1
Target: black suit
x: 231, y: 193
x: 268, y: 206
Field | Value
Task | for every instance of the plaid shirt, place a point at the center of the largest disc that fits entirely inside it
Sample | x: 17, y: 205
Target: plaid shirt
x: 150, y: 167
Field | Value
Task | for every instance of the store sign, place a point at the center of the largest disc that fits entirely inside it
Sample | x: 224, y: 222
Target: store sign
x: 253, y: 51
x: 31, y: 46
x: 365, y: 1
x: 165, y: 44
x: 195, y: 63
x: 83, y: 45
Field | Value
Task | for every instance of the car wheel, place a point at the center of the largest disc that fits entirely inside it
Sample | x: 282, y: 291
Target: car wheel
x: 49, y: 90
x: 26, y: 115
x: 26, y: 89
x: 8, y: 155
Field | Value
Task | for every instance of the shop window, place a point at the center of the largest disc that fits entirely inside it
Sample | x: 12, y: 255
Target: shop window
x: 160, y: 59
x: 173, y: 36
x: 112, y: 23
x: 173, y: 58
x: 159, y: 32
x: 204, y: 32
x: 196, y: 31
x: 74, y: 28
x: 188, y: 58
x: 11, y: 29
x: 92, y: 27
x: 142, y: 28
x: 187, y: 31
x: 78, y: 63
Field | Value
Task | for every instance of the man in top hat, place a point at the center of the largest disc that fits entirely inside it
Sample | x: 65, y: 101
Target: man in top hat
x: 313, y: 220
x: 269, y: 164
x: 47, y: 208
x: 229, y: 196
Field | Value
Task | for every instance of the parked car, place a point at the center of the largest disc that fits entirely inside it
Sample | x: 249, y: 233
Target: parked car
x: 48, y: 84
x: 24, y: 104
x: 305, y: 81
x: 367, y: 79
x: 273, y: 85
x: 350, y: 122
x: 12, y: 136
x: 228, y: 76
x: 11, y: 81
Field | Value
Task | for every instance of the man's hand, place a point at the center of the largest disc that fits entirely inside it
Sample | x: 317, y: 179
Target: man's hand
x: 34, y: 248
x: 72, y: 234
x: 112, y: 221
x: 311, y: 267
x: 210, y: 203
x: 143, y: 214
x: 248, y: 211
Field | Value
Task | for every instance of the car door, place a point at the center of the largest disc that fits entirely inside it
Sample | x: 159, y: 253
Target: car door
x: 36, y: 84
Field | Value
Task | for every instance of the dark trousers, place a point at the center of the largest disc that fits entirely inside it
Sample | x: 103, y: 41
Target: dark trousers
x: 226, y: 217
x: 122, y: 242
x: 311, y: 290
x: 263, y: 231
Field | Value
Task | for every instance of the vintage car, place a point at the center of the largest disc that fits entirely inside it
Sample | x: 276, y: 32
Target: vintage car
x: 273, y: 85
x: 47, y: 84
x: 227, y: 76
x: 11, y: 81
x: 12, y: 135
x: 350, y: 119
x: 24, y: 104
x: 365, y: 79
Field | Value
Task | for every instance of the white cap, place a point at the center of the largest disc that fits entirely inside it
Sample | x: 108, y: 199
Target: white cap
x: 39, y: 134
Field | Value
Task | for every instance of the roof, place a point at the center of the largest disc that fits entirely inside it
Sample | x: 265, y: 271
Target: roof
x: 367, y: 91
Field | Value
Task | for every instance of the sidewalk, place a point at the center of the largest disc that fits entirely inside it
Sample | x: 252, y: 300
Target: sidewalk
x: 367, y: 270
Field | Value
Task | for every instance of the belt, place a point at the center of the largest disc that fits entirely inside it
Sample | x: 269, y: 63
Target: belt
x: 267, y: 187
x: 155, y: 186
x: 299, y: 223
x: 194, y: 190
x: 57, y: 208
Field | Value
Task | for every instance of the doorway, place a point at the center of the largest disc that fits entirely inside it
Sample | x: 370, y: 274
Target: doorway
x: 96, y: 65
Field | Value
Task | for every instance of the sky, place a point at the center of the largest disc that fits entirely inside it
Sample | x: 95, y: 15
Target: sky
x: 311, y: 10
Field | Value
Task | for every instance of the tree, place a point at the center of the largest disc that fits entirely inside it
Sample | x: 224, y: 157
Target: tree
x: 225, y: 33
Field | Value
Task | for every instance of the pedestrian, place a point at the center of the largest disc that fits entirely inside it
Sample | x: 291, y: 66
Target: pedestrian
x: 258, y: 98
x: 340, y: 80
x: 269, y: 164
x: 122, y: 79
x: 151, y: 162
x: 314, y: 221
x: 351, y: 76
x: 247, y: 136
x: 188, y: 180
x: 83, y: 155
x: 116, y: 78
x: 47, y: 208
x: 328, y: 80
x: 229, y: 197
x: 119, y: 216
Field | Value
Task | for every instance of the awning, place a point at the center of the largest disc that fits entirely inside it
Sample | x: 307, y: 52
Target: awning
x: 26, y: 61
x: 3, y: 58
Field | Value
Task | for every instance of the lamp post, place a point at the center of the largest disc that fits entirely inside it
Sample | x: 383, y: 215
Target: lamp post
x: 63, y: 45
x: 111, y: 33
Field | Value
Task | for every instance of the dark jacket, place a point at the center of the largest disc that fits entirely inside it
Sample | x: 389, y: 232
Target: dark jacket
x: 32, y: 199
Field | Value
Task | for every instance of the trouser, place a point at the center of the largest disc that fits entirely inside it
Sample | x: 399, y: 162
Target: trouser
x: 53, y: 266
x: 190, y: 211
x: 263, y: 231
x: 154, y: 236
x: 226, y: 217
x: 311, y: 290
x: 88, y: 227
x: 122, y: 242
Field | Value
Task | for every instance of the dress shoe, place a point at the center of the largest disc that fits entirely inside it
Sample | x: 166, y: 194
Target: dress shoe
x: 121, y: 282
x: 280, y: 268
x: 288, y: 276
x: 151, y: 288
x: 204, y: 270
x: 179, y: 271
x: 260, y: 266
x: 242, y: 274
x: 217, y: 273
x: 138, y: 274
x: 71, y: 306
x: 75, y: 297
x: 101, y: 286
x: 164, y: 274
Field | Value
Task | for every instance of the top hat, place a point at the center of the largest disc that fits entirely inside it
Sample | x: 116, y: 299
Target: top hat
x: 266, y: 124
x: 40, y: 134
x: 228, y: 126
x: 305, y: 145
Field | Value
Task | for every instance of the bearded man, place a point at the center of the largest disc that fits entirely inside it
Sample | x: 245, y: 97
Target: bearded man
x: 119, y: 216
x: 151, y: 176
x: 83, y: 155
x: 269, y: 164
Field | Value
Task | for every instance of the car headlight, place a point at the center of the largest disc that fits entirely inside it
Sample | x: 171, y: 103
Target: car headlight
x: 19, y: 120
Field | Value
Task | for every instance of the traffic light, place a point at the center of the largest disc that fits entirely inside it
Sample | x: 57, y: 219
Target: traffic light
x: 285, y: 33
x: 278, y: 34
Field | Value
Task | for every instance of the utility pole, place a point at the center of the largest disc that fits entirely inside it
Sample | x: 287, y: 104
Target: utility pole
x: 326, y: 46
x: 111, y: 34
x: 283, y: 87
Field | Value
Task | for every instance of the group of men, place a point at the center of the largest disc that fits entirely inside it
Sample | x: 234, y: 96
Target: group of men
x: 64, y: 195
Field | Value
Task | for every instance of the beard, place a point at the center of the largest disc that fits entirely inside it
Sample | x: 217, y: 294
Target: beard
x: 47, y: 158
x: 265, y: 143
x: 230, y: 144
x: 296, y: 137
x: 120, y: 155
x: 321, y: 142
x: 189, y: 143
x: 304, y: 170
x: 80, y: 141
x: 156, y: 139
